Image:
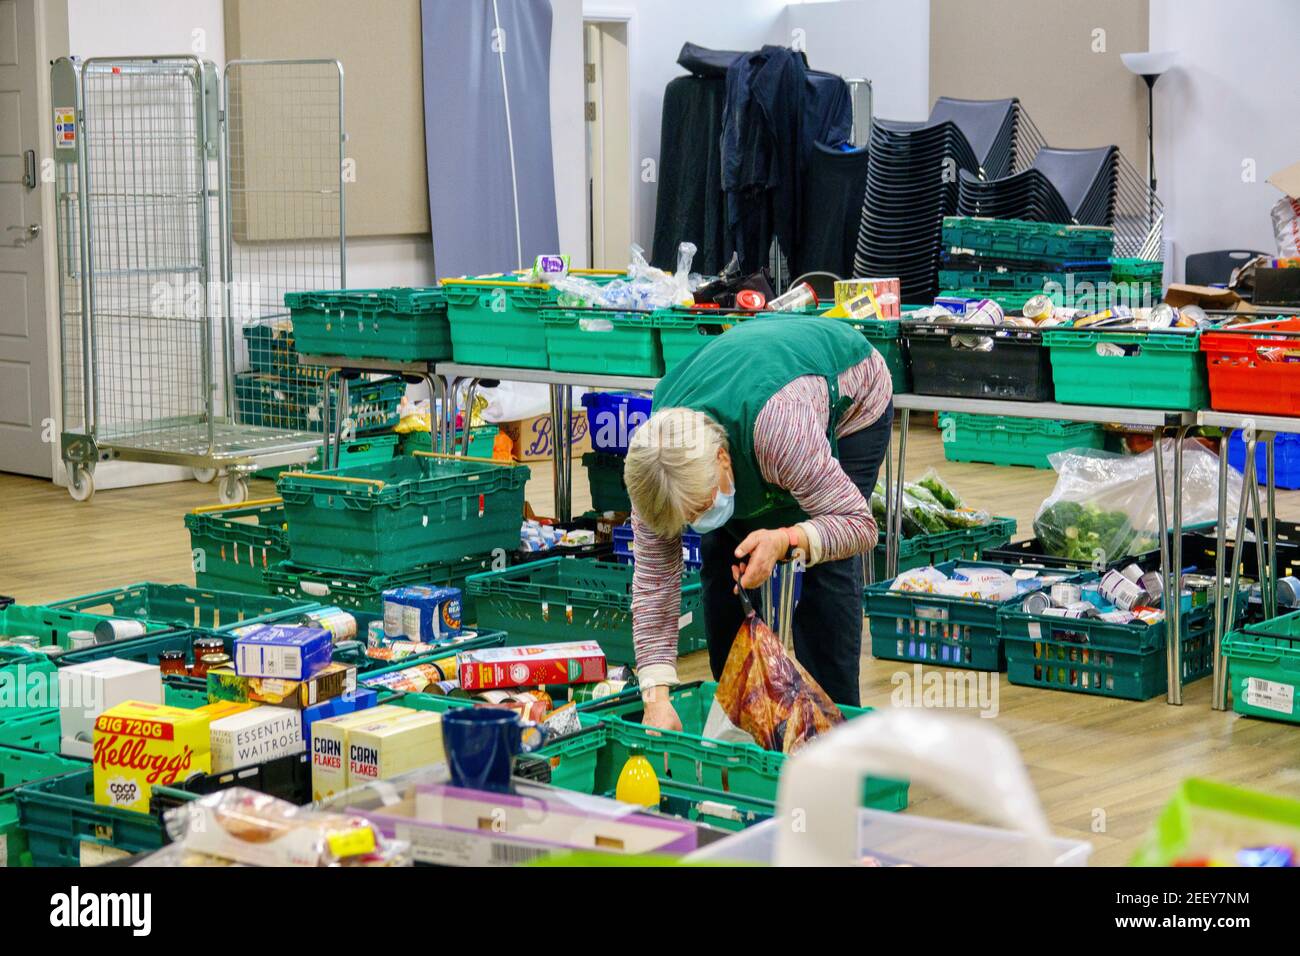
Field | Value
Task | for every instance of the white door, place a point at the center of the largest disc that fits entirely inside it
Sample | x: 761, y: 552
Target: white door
x: 609, y: 169
x: 24, y: 350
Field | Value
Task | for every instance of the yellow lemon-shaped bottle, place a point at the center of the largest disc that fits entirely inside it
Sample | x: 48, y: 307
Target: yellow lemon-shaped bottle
x: 637, y: 782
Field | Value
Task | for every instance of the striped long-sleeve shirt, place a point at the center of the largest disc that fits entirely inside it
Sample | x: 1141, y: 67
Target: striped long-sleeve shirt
x: 793, y: 453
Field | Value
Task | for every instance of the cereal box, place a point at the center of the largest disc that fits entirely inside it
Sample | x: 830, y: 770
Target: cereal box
x: 139, y: 745
x: 575, y: 663
x: 283, y: 651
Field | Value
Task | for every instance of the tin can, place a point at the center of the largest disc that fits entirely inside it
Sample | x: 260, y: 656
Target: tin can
x: 77, y: 640
x: 1063, y: 595
x: 1133, y: 572
x: 117, y: 629
x: 340, y: 623
x: 796, y: 297
x: 1036, y: 603
x: 1118, y: 617
x: 1074, y: 612
x: 1120, y: 591
x: 1201, y: 587
x: 1288, y: 592
x: 1162, y: 316
x: 1154, y: 585
x: 750, y: 299
x: 210, y: 662
x: 30, y: 641
x: 1039, y: 308
x: 375, y: 633
x: 984, y: 312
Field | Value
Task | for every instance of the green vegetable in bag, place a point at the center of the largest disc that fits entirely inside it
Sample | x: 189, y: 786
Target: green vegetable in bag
x: 941, y: 490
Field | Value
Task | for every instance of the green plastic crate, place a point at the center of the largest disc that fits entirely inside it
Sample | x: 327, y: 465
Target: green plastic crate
x: 718, y: 809
x: 34, y: 730
x: 19, y: 767
x: 50, y: 625
x: 367, y: 450
x: 232, y: 546
x: 576, y: 599
x: 681, y: 332
x: 145, y: 650
x: 28, y: 683
x: 1021, y: 239
x: 271, y: 345
x: 404, y: 512
x: 60, y: 814
x: 163, y: 606
x: 1264, y: 668
x: 605, y: 476
x: 1158, y: 369
x: 1001, y: 440
x: 936, y: 628
x: 495, y: 320
x: 689, y: 757
x: 296, y: 400
x: 1137, y: 270
x: 989, y: 280
x: 602, y: 341
x: 399, y: 324
x: 1204, y: 817
x: 482, y: 442
x: 1010, y: 301
x: 883, y: 334
x: 364, y: 592
x: 964, y: 543
x: 1090, y: 656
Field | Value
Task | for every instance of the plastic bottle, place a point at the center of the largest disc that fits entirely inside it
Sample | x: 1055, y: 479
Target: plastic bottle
x: 637, y: 782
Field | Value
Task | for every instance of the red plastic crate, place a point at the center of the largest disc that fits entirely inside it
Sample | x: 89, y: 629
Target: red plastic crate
x: 1241, y: 381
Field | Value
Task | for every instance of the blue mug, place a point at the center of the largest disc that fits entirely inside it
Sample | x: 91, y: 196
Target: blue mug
x: 482, y: 744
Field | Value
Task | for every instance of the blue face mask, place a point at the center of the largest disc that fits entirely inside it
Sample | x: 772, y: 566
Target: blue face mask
x: 718, y: 515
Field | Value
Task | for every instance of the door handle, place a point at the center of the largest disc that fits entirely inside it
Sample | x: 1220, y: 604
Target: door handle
x: 29, y: 169
x: 30, y: 231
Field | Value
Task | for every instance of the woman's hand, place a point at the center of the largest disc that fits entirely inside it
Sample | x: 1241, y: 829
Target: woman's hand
x: 758, y: 555
x: 660, y: 713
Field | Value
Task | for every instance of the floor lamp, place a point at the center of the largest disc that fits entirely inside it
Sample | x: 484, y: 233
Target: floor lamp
x: 1150, y: 66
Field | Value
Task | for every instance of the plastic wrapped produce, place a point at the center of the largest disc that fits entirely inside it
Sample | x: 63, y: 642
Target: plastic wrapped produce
x: 940, y: 489
x: 1104, y: 505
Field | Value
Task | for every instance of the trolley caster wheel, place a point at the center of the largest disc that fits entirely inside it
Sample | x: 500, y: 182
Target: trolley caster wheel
x: 233, y: 489
x: 204, y: 476
x: 81, y: 483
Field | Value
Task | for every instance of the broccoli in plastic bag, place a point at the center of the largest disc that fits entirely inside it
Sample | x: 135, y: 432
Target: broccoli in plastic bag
x: 1104, y: 505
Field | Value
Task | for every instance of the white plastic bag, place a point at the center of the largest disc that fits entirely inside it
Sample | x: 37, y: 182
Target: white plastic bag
x: 1104, y: 505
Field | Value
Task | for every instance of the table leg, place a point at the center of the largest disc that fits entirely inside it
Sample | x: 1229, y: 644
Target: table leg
x: 469, y: 417
x: 886, y: 533
x: 1272, y: 523
x: 325, y: 433
x: 1261, y: 533
x: 1234, y: 580
x: 1174, y: 610
x: 1166, y: 559
x: 1220, y: 559
x: 562, y: 457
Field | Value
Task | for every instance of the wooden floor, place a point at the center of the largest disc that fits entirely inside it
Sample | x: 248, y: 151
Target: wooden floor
x: 1101, y: 767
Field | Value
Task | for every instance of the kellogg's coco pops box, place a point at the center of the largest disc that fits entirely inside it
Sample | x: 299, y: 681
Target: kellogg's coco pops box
x: 139, y: 746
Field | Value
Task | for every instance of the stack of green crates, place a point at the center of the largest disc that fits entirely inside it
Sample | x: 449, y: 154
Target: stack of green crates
x: 1264, y: 668
x: 1140, y: 271
x: 603, y: 341
x: 1000, y: 440
x: 496, y: 319
x: 358, y: 451
x: 398, y: 324
x: 575, y: 599
x: 409, y: 511
x: 1012, y: 260
x: 295, y: 399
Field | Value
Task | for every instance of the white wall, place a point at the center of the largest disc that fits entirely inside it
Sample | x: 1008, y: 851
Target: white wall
x: 656, y: 31
x: 1233, y: 100
x: 884, y: 41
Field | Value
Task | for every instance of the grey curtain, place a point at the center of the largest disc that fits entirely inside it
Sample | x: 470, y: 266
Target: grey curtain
x: 487, y: 133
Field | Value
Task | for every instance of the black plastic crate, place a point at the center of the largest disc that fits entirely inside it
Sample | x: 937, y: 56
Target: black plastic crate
x: 1030, y: 551
x: 1288, y: 550
x: 945, y: 361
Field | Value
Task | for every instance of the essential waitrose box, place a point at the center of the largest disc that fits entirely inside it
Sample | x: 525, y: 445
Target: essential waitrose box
x: 87, y: 690
x: 333, y: 680
x: 580, y: 662
x: 255, y: 736
x: 285, y: 651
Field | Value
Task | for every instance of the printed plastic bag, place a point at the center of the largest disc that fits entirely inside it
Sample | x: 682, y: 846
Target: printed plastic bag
x: 1104, y: 505
x: 768, y: 695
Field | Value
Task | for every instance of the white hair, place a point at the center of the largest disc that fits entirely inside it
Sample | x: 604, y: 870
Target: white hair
x: 672, y: 468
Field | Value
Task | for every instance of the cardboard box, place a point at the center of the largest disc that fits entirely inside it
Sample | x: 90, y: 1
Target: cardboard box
x: 580, y: 662
x: 533, y: 437
x: 382, y: 750
x: 283, y: 650
x: 331, y: 681
x: 329, y: 747
x: 255, y: 736
x: 88, y: 690
x: 140, y: 745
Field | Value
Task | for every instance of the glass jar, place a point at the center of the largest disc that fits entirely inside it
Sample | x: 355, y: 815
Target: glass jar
x: 172, y: 662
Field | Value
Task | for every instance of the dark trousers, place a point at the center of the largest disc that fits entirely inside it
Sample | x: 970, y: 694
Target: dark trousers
x: 828, y: 620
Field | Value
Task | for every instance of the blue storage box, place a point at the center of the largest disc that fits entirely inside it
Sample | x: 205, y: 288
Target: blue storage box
x: 623, y: 550
x: 612, y: 417
x: 1286, y: 458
